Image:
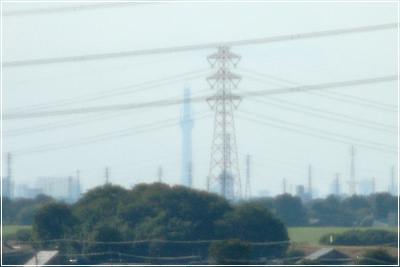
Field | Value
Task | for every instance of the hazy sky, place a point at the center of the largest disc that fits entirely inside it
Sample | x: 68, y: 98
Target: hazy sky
x: 282, y: 133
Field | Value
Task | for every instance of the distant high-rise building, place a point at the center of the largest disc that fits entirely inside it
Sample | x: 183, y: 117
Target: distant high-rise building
x: 61, y: 188
x: 187, y: 126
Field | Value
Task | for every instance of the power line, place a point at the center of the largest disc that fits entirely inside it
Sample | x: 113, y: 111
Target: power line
x: 313, y: 134
x: 169, y: 102
x: 24, y: 12
x: 323, y: 117
x: 367, y: 102
x: 389, y: 109
x: 118, y: 91
x: 320, y: 131
x: 102, y: 137
x: 341, y: 116
x: 281, y: 38
x: 321, y: 86
x: 176, y: 101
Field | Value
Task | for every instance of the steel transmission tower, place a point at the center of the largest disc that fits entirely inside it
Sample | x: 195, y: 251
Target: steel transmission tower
x: 352, y: 183
x: 337, y: 185
x: 187, y: 126
x: 224, y: 165
x: 160, y: 174
x: 8, y: 188
x: 107, y: 174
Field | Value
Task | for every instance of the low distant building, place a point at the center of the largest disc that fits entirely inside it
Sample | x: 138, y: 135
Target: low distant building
x: 380, y: 223
x: 328, y: 256
x: 390, y: 221
x: 393, y: 219
x: 8, y: 188
x: 24, y: 191
x: 302, y: 194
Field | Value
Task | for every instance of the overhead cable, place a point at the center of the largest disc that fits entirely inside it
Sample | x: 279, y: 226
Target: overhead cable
x: 345, y: 96
x: 319, y: 130
x: 23, y: 12
x: 314, y: 134
x: 164, y: 50
x: 116, y: 92
x: 176, y: 101
x: 314, y: 114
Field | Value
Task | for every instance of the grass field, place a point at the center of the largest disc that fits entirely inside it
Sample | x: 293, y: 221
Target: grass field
x: 10, y: 230
x: 311, y: 235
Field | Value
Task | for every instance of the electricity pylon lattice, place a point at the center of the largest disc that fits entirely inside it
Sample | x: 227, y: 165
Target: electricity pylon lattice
x: 224, y: 165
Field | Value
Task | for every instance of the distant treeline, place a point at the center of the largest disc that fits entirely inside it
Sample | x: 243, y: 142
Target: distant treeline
x: 331, y: 211
x: 22, y: 210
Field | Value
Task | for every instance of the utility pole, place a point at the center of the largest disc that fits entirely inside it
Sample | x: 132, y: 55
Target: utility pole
x: 337, y: 187
x: 353, y: 182
x: 78, y: 185
x: 160, y: 174
x: 224, y: 166
x: 107, y: 176
x: 247, y: 193
x: 309, y: 182
x: 284, y: 185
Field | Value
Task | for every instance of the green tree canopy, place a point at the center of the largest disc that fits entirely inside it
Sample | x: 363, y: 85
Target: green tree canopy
x: 230, y: 252
x: 53, y: 221
x: 290, y: 210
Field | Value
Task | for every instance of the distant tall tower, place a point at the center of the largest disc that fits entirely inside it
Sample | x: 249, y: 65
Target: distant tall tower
x: 224, y: 165
x: 353, y: 182
x: 187, y: 126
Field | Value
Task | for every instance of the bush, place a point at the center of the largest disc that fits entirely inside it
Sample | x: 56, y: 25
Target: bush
x: 370, y: 237
x: 230, y: 252
x: 23, y: 235
x: 376, y: 257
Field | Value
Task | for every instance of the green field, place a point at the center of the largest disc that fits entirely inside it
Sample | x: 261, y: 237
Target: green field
x: 311, y: 235
x: 10, y: 230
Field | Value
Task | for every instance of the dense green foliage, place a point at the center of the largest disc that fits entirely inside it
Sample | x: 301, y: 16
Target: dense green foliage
x: 230, y: 252
x: 353, y: 211
x: 108, y: 216
x: 287, y: 207
x: 376, y: 257
x: 21, y: 211
x: 53, y: 221
x: 368, y: 237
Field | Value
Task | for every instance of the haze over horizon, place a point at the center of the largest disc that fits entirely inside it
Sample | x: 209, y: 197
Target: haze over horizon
x: 283, y: 133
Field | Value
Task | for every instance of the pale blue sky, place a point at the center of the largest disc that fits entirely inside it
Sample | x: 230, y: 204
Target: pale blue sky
x: 276, y: 153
